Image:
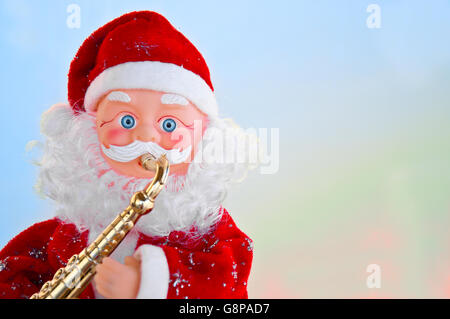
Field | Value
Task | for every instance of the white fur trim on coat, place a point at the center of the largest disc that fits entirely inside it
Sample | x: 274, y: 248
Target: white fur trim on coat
x: 154, y: 272
x: 153, y: 75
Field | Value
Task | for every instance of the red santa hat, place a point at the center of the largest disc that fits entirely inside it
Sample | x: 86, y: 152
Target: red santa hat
x: 139, y: 50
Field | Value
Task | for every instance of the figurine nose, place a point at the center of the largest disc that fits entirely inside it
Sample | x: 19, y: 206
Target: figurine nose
x: 147, y: 133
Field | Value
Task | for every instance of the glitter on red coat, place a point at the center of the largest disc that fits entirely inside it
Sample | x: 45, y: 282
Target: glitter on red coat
x: 214, y: 266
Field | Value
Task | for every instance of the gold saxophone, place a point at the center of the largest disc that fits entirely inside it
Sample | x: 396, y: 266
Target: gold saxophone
x: 70, y: 281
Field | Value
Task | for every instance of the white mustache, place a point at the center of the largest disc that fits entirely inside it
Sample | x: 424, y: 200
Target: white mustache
x: 136, y: 149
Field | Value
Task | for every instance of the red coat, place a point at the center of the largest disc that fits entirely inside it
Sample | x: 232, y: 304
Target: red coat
x: 216, y: 266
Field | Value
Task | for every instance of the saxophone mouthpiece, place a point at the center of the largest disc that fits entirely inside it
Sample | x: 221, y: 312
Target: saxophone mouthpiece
x: 149, y: 162
x: 161, y: 168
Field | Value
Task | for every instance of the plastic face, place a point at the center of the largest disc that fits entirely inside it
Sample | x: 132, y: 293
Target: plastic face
x: 124, y: 116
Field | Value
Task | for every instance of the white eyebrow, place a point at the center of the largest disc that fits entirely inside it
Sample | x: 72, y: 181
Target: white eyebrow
x: 173, y: 99
x: 119, y: 96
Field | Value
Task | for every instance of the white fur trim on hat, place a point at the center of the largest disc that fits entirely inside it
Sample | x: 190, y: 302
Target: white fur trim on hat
x: 153, y: 75
x: 154, y: 272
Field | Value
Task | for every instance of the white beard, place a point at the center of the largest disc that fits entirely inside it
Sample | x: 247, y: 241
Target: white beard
x: 88, y: 193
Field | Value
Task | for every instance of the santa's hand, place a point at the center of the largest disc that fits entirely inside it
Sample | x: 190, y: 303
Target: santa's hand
x: 118, y: 281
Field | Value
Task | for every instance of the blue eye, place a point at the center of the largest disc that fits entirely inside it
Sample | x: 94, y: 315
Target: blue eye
x: 128, y: 122
x: 169, y: 125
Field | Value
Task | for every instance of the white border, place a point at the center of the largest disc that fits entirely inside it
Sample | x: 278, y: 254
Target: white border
x: 154, y: 272
x: 153, y: 75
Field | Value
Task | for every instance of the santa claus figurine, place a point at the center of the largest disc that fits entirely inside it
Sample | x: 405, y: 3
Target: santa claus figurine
x: 136, y: 86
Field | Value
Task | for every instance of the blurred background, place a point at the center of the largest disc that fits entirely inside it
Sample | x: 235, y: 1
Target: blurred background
x: 363, y: 114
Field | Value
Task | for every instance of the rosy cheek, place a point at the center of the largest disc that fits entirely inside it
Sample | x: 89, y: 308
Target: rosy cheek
x: 177, y: 140
x: 118, y: 136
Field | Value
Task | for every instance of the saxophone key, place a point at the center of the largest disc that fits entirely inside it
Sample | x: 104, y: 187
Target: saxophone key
x: 59, y: 274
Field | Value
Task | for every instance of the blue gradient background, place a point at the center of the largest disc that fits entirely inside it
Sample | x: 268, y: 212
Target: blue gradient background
x: 364, y: 119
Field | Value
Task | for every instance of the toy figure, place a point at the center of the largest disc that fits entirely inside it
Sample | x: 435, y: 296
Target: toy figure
x: 136, y: 85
